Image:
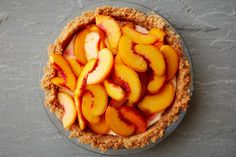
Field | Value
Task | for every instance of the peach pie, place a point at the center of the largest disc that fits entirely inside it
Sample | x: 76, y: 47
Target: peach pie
x: 117, y: 78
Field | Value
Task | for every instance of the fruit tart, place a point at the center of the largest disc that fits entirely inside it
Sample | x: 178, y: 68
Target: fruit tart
x: 117, y: 78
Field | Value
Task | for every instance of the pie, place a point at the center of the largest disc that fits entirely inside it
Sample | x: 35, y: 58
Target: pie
x: 117, y: 78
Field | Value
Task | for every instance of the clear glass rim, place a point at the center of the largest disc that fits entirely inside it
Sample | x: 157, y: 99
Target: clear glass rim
x: 51, y: 116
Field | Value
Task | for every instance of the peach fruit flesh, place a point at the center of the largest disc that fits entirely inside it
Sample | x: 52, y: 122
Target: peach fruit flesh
x: 159, y: 33
x: 64, y: 69
x: 159, y: 101
x: 129, y: 79
x: 112, y: 30
x: 128, y: 56
x: 116, y: 124
x: 101, y: 127
x: 59, y: 81
x: 76, y: 66
x: 100, y: 99
x: 91, y: 45
x: 103, y: 68
x: 172, y: 61
x: 156, y: 83
x: 134, y: 117
x: 153, y: 56
x: 67, y: 102
x: 138, y: 37
x: 114, y: 90
x: 87, y: 104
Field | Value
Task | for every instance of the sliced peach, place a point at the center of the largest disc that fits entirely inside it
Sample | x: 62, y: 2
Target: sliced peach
x: 91, y: 46
x: 138, y: 37
x: 76, y: 66
x: 159, y: 44
x: 159, y: 101
x: 156, y: 83
x: 100, y: 99
x: 135, y: 117
x: 118, y: 59
x: 128, y: 56
x: 79, y: 51
x: 154, y: 56
x: 159, y: 33
x: 141, y: 29
x: 59, y: 81
x: 67, y: 90
x: 69, y: 50
x: 172, y: 61
x: 112, y: 29
x: 67, y: 102
x: 129, y: 80
x: 116, y: 124
x: 80, y: 117
x: 64, y: 70
x: 101, y: 127
x: 153, y: 118
x: 87, y: 105
x: 117, y: 104
x: 81, y: 81
x: 114, y: 90
x: 103, y: 68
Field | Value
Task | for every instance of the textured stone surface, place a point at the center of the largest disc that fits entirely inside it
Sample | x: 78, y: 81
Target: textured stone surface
x: 209, y: 28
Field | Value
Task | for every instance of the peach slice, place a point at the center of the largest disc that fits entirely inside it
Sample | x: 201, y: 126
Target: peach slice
x: 135, y: 117
x: 81, y: 81
x: 76, y: 66
x: 103, y: 68
x: 63, y: 69
x: 101, y: 127
x: 116, y: 124
x: 87, y: 104
x: 128, y: 56
x: 118, y: 59
x: 154, y: 56
x: 138, y: 37
x: 143, y: 77
x: 156, y: 83
x: 114, y: 90
x: 112, y: 29
x: 159, y: 33
x: 91, y: 45
x: 159, y: 101
x: 172, y: 61
x: 100, y: 99
x: 141, y: 29
x: 67, y: 102
x: 80, y: 117
x: 69, y: 50
x: 67, y: 90
x: 79, y: 51
x: 59, y: 81
x: 129, y: 80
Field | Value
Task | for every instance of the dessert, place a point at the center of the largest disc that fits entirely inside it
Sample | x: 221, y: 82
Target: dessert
x: 117, y: 78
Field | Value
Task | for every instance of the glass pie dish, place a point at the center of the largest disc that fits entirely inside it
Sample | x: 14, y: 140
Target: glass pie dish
x: 55, y: 120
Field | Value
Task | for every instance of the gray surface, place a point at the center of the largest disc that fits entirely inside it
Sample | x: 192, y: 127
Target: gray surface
x: 209, y: 28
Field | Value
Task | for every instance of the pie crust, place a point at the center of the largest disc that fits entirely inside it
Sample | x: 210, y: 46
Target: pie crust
x: 171, y: 114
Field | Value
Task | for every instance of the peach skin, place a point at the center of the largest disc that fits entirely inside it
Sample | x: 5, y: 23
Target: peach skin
x: 172, y: 61
x: 64, y: 69
x: 116, y: 124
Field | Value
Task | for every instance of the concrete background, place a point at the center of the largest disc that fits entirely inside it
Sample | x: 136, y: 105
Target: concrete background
x: 209, y: 28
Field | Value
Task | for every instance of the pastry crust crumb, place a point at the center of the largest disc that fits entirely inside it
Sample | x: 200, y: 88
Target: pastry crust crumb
x: 182, y: 97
